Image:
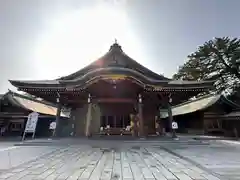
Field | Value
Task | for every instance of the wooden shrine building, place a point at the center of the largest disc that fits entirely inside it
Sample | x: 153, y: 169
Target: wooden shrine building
x: 113, y: 92
x: 14, y: 111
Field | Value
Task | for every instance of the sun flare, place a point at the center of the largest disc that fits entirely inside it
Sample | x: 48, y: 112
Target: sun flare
x: 75, y: 39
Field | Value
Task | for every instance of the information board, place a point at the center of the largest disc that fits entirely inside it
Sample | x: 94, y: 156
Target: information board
x: 31, y: 124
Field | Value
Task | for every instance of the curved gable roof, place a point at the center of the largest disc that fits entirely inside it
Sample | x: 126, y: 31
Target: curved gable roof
x: 115, y: 61
x: 115, y: 57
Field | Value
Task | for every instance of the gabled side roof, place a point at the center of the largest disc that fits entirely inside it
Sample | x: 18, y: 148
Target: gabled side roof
x: 198, y: 104
x: 32, y: 104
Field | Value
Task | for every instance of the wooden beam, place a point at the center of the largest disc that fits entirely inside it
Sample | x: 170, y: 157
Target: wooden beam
x: 115, y: 100
x: 73, y: 101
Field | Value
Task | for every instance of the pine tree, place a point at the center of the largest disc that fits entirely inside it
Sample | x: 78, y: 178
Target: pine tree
x: 217, y: 59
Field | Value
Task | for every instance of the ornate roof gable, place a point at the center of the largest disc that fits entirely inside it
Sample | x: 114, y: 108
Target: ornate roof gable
x: 114, y: 62
x: 115, y: 57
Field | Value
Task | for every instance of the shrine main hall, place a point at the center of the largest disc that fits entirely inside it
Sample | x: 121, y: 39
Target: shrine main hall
x: 114, y: 92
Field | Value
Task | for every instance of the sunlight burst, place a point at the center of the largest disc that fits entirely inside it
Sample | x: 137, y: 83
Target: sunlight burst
x: 75, y: 39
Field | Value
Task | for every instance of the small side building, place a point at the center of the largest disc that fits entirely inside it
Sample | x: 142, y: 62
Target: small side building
x: 14, y: 110
x: 204, y: 115
x: 231, y: 123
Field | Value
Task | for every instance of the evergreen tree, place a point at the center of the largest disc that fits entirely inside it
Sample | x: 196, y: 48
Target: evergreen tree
x: 217, y: 59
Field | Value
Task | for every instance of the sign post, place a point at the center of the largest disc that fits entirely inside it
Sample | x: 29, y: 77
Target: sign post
x: 31, y: 124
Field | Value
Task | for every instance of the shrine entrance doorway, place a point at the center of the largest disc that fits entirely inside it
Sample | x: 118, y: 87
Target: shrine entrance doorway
x: 116, y: 118
x: 117, y: 124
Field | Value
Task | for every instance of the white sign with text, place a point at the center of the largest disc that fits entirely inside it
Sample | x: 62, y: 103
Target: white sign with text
x: 32, y: 122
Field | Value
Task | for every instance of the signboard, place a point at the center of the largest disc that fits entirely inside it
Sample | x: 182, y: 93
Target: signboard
x: 174, y: 125
x: 52, y: 125
x: 31, y: 124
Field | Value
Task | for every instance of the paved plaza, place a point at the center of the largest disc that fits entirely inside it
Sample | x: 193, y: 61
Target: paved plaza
x: 220, y: 158
x: 136, y: 160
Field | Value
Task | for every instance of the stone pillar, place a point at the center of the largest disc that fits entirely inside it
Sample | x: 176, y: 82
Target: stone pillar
x: 170, y: 116
x: 58, y: 115
x: 89, y: 117
x: 140, y: 114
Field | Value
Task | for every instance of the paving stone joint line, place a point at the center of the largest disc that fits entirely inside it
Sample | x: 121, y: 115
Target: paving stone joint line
x: 192, y: 162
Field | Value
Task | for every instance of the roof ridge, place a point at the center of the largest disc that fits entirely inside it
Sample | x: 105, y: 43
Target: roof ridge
x: 113, y: 48
x: 197, y: 99
x: 165, y: 78
x: 84, y: 68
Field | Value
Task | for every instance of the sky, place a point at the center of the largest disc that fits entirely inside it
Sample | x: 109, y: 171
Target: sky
x: 47, y: 39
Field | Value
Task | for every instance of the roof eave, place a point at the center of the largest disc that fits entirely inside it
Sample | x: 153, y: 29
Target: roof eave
x: 23, y: 84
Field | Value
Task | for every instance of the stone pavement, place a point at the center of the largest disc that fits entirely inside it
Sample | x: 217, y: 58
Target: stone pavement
x: 120, y: 162
x: 219, y: 157
x: 12, y: 156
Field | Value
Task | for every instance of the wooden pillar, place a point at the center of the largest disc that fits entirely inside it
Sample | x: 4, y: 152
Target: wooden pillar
x: 134, y: 121
x: 58, y: 115
x: 73, y: 126
x: 132, y: 124
x: 89, y: 117
x: 170, y: 116
x: 140, y: 113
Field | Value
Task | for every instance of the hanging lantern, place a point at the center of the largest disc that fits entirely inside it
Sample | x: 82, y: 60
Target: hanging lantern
x: 169, y: 98
x: 140, y: 98
x: 89, y: 98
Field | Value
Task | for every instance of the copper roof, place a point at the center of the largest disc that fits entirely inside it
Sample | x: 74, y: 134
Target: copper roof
x: 117, y: 57
x: 114, y: 62
x: 31, y: 104
x: 196, y: 105
x: 192, y: 106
